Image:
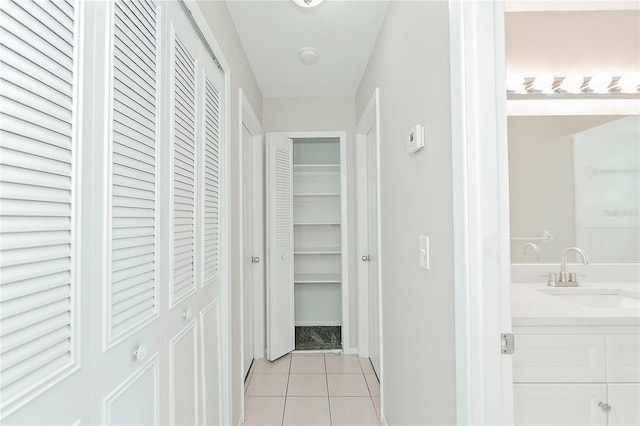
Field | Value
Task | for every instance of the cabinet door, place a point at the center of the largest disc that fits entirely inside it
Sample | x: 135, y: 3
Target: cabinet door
x: 625, y: 404
x: 559, y: 404
x: 280, y: 289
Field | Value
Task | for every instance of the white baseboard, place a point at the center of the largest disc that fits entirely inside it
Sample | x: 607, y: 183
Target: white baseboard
x: 383, y: 421
x: 351, y: 351
x: 318, y: 324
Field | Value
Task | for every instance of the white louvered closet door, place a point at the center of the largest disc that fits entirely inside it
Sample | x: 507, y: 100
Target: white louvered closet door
x: 128, y: 363
x: 40, y: 342
x: 280, y: 288
x: 193, y: 320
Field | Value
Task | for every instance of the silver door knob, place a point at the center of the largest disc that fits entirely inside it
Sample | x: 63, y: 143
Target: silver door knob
x: 255, y: 259
x: 366, y: 258
x: 605, y: 407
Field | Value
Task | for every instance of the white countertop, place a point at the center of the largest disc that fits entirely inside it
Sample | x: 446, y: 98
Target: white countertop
x: 531, y: 306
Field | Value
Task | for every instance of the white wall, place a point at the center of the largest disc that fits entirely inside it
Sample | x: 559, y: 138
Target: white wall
x: 222, y: 27
x: 410, y: 65
x: 323, y: 114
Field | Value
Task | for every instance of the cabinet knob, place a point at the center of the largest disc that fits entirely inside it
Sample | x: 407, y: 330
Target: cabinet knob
x: 366, y: 258
x: 187, y: 314
x: 255, y: 259
x: 605, y: 407
x: 140, y: 352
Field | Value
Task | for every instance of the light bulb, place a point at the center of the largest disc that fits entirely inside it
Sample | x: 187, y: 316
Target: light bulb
x: 515, y: 83
x: 572, y: 83
x: 600, y: 83
x: 307, y: 3
x: 543, y: 83
x: 629, y: 83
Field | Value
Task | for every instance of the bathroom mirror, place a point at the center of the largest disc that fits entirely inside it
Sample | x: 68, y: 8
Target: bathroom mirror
x: 574, y: 181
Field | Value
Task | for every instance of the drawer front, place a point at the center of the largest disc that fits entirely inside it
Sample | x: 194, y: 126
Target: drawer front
x: 559, y: 358
x: 559, y: 404
x: 623, y: 358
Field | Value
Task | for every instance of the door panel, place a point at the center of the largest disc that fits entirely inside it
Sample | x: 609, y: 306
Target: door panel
x: 280, y: 294
x: 210, y: 361
x: 248, y: 246
x: 183, y: 379
x: 137, y: 400
x: 372, y: 231
x: 625, y: 409
x: 40, y: 344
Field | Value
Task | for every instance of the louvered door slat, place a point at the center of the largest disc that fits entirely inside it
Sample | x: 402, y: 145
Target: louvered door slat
x: 284, y: 208
x: 211, y: 182
x: 133, y: 287
x: 183, y: 176
x: 37, y: 146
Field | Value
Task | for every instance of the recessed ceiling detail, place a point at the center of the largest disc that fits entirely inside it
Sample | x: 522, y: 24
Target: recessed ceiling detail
x: 273, y: 33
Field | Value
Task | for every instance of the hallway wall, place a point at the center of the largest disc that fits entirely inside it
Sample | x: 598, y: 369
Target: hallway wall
x: 410, y: 65
x: 323, y: 114
x: 242, y: 76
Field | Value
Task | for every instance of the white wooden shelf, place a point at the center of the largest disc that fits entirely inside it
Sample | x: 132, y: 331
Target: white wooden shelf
x: 317, y: 278
x: 317, y: 250
x: 317, y: 194
x: 315, y: 223
x: 316, y: 168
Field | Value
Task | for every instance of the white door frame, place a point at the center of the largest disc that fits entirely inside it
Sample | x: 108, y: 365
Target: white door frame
x: 344, y: 233
x: 249, y: 119
x: 369, y: 118
x: 480, y: 212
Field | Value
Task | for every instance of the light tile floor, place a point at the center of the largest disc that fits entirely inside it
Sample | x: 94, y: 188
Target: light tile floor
x: 312, y: 389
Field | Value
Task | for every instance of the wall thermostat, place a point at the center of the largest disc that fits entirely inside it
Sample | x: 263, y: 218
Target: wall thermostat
x: 415, y: 141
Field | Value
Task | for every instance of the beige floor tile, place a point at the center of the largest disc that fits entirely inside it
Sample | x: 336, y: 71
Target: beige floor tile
x: 352, y: 411
x: 264, y: 411
x: 307, y: 385
x: 281, y: 365
x: 342, y: 364
x: 302, y: 364
x: 376, y: 404
x: 365, y: 363
x: 372, y: 384
x: 301, y: 411
x: 347, y: 385
x: 268, y: 385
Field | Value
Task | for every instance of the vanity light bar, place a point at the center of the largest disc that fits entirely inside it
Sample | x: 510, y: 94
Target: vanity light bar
x: 547, y: 84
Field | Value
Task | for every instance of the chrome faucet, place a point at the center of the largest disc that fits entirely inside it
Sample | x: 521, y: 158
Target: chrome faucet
x: 567, y: 280
x: 535, y: 248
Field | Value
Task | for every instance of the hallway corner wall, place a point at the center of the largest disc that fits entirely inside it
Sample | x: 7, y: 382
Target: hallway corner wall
x: 241, y: 76
x: 410, y: 65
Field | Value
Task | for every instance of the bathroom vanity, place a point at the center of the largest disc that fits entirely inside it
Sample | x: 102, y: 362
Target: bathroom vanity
x: 577, y: 354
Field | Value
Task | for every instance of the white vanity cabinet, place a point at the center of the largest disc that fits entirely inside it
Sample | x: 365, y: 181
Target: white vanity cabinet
x: 579, y: 378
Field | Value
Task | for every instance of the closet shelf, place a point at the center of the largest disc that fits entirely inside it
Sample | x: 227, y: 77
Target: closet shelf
x: 317, y: 250
x: 317, y: 278
x: 315, y: 223
x: 316, y: 168
x: 317, y: 194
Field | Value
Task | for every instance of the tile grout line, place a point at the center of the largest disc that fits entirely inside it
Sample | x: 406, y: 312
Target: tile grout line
x: 326, y: 378
x: 286, y: 392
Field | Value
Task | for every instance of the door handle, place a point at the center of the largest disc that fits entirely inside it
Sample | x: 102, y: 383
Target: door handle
x: 366, y: 258
x: 255, y: 259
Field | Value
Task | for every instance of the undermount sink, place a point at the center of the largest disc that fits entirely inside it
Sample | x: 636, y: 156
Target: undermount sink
x: 614, y: 298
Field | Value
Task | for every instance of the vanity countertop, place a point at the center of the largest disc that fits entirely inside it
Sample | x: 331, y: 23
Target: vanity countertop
x: 540, y: 305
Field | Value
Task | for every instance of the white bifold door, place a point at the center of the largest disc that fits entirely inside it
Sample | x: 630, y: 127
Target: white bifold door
x: 280, y: 286
x: 111, y: 139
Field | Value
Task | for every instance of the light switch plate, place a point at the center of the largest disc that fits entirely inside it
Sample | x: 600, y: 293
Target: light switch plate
x: 415, y: 139
x: 424, y: 252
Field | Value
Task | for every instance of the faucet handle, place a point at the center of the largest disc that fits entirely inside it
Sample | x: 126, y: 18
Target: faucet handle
x: 553, y: 278
x: 572, y: 277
